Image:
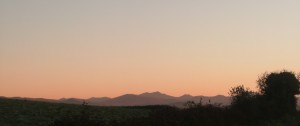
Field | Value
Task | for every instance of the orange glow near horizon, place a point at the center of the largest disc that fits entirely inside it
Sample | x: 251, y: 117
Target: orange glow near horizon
x: 82, y: 49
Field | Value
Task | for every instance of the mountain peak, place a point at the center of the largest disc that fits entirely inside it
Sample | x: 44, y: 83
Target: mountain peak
x: 156, y: 94
x: 186, y: 95
x: 220, y: 96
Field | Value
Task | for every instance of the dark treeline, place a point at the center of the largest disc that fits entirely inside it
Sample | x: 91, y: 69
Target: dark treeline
x: 273, y: 104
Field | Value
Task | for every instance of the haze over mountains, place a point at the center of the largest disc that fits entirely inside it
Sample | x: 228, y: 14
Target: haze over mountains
x: 153, y: 98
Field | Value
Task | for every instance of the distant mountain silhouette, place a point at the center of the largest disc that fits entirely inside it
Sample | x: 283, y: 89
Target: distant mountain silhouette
x: 219, y: 99
x: 71, y: 100
x: 157, y: 95
x: 157, y: 98
x: 133, y: 100
x: 152, y: 98
x: 95, y: 101
x: 186, y: 97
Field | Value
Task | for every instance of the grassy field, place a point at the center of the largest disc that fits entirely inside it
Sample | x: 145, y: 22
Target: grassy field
x: 32, y: 113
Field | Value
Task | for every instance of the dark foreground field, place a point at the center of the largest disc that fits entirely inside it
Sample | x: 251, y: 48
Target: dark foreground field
x: 32, y: 113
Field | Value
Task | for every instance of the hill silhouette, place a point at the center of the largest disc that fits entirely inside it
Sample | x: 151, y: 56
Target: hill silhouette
x: 147, y: 98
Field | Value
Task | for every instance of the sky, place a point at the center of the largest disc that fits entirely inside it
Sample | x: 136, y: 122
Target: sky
x: 94, y: 48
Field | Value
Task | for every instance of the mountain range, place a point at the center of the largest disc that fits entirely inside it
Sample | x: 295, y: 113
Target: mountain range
x: 152, y: 98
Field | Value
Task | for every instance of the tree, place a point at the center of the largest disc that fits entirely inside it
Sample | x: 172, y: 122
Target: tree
x: 279, y: 89
x: 241, y: 95
x: 244, y: 100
